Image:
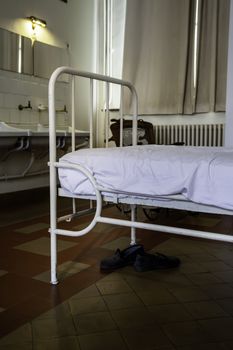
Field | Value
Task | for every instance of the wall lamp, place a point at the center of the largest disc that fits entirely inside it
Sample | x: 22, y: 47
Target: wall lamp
x: 37, y: 22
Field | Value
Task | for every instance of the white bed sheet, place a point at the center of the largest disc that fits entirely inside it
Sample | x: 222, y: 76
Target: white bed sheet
x: 202, y: 174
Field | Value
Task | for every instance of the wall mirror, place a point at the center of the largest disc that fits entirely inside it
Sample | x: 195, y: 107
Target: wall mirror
x: 17, y: 54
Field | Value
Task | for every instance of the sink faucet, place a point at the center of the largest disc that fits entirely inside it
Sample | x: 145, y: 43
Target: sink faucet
x: 42, y: 108
x: 21, y: 107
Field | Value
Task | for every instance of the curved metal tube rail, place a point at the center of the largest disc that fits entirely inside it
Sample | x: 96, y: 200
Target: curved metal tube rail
x: 52, y: 149
x: 98, y: 201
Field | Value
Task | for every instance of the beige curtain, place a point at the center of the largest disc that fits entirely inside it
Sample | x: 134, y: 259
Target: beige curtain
x: 158, y: 55
x: 155, y: 53
x: 212, y: 66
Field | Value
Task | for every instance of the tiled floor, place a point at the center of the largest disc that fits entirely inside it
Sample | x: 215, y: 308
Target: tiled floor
x: 187, y: 308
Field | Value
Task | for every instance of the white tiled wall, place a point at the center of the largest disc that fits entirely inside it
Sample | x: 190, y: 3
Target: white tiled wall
x: 16, y: 89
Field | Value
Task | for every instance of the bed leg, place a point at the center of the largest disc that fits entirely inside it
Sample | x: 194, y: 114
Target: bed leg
x: 133, y: 229
x: 53, y: 238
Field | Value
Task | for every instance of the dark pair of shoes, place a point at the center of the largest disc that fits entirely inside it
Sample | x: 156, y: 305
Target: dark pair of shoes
x: 136, y: 256
x: 122, y: 258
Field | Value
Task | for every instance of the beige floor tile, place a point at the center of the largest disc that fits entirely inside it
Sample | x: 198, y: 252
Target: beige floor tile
x: 185, y: 333
x: 72, y: 267
x: 87, y: 305
x: 189, y: 294
x: 229, y: 261
x: 221, y: 253
x: 219, y: 329
x: 204, y: 278
x: 122, y: 301
x: 91, y: 291
x: 169, y: 313
x: 59, y: 312
x: 33, y: 228
x: 146, y: 338
x: 113, y: 287
x: 168, y: 250
x: 111, y: 340
x: 227, y: 305
x: 65, y: 343
x: 181, y: 246
x: 65, y: 270
x: 216, y: 266
x: 192, y: 267
x: 205, y: 346
x: 21, y: 346
x: 94, y: 322
x: 185, y: 258
x: 130, y: 271
x: 135, y: 318
x: 156, y: 297
x: 225, y: 276
x: 113, y: 276
x: 3, y: 272
x: 202, y: 257
x: 42, y: 246
x: 189, y: 249
x: 44, y: 329
x: 228, y: 345
x: 218, y: 291
x: 21, y: 335
x: 153, y: 276
x: 172, y: 242
x: 174, y: 278
x: 140, y: 284
x: 205, y: 309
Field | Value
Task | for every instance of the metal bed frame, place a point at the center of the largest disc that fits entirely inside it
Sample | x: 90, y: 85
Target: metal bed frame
x: 101, y: 194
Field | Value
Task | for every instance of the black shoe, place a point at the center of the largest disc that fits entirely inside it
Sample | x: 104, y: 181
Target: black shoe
x: 122, y: 258
x: 149, y: 262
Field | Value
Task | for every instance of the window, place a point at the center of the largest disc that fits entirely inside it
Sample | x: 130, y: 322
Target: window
x: 114, y: 18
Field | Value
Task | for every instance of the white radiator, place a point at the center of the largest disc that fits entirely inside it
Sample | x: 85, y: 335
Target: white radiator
x: 191, y: 135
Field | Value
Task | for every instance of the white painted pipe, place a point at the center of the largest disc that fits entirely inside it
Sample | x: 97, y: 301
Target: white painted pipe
x: 167, y: 229
x: 107, y: 115
x: 133, y: 229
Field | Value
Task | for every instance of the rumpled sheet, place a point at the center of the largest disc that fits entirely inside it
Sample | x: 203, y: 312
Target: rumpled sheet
x: 202, y: 174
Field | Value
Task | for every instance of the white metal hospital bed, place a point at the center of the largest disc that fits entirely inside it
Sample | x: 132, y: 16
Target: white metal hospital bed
x: 101, y: 191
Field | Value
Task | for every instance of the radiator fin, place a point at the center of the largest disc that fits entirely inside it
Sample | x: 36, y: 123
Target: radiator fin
x: 191, y: 135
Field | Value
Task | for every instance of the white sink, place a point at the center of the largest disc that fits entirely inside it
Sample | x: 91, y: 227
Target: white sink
x: 7, y: 130
x: 40, y: 129
x: 37, y: 130
x: 79, y: 132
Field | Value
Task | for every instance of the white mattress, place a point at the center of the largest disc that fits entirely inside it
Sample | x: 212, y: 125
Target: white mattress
x: 202, y: 174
